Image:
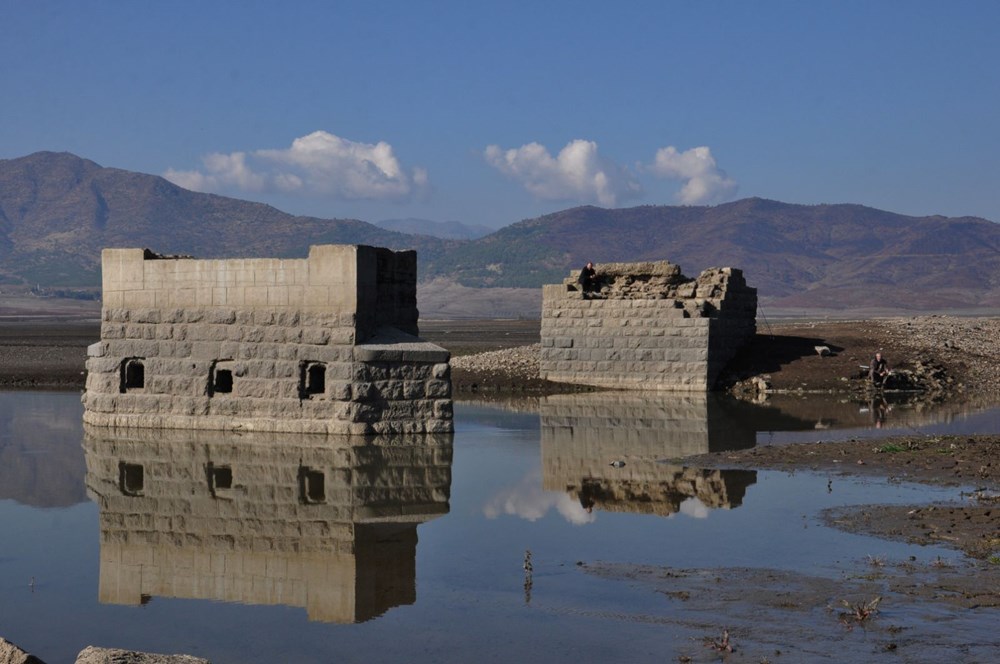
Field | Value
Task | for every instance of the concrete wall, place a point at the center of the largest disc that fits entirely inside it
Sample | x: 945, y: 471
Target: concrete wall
x: 646, y: 327
x: 320, y: 345
x: 345, y: 556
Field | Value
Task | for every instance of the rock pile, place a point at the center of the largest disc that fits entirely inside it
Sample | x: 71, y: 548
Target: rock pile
x: 518, y: 363
x: 967, y: 348
x: 11, y: 654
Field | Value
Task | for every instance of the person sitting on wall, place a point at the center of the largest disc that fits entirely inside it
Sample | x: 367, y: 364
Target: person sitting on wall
x: 878, y: 370
x: 588, y: 279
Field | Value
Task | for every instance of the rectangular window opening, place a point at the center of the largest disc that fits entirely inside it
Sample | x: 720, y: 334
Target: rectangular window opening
x: 133, y: 375
x: 222, y: 381
x: 313, y: 379
x: 312, y: 486
x: 130, y: 478
x: 220, y: 478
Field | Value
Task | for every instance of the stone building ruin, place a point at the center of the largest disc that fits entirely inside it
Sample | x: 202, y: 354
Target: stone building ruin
x: 326, y: 344
x: 646, y: 326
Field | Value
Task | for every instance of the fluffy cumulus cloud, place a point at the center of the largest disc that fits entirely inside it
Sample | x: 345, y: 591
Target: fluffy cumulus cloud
x: 530, y: 502
x: 704, y: 181
x: 577, y: 173
x: 694, y: 508
x: 319, y: 164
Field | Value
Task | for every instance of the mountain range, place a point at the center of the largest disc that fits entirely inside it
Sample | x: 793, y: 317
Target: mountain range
x: 57, y: 211
x: 447, y: 230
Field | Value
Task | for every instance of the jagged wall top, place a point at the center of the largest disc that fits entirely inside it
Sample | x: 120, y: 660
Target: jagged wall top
x: 659, y: 280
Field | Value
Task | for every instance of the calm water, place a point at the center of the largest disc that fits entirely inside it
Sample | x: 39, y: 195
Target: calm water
x: 267, y: 549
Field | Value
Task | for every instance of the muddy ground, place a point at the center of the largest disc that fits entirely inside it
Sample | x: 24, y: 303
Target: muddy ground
x: 873, y: 610
x: 45, y: 355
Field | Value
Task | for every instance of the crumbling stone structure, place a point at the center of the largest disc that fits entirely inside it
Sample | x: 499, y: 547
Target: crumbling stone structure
x: 328, y: 524
x: 325, y: 344
x: 607, y: 449
x: 646, y: 326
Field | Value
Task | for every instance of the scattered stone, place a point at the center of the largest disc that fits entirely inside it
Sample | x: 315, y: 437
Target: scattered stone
x: 11, y: 654
x: 95, y: 655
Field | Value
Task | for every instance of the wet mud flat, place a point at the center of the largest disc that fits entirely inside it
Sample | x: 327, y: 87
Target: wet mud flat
x: 874, y: 610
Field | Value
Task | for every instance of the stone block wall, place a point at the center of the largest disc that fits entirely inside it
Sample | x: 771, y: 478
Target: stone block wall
x: 583, y: 434
x: 646, y: 326
x: 320, y: 345
x: 321, y: 523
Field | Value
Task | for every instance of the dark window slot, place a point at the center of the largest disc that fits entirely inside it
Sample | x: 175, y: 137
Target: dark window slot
x: 130, y: 478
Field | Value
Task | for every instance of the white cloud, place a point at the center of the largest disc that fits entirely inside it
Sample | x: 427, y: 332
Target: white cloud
x: 694, y: 508
x: 319, y: 164
x: 578, y: 173
x: 705, y: 181
x: 529, y: 501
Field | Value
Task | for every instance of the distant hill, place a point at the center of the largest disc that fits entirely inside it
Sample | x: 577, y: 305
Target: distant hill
x: 447, y: 230
x: 57, y: 211
x: 815, y: 256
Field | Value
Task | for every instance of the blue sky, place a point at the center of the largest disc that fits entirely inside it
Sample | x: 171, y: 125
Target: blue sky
x: 491, y: 113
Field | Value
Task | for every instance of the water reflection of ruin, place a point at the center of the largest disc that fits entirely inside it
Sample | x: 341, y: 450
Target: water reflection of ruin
x: 583, y: 434
x: 327, y: 524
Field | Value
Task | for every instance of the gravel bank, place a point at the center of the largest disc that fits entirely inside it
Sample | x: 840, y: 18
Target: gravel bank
x: 518, y: 363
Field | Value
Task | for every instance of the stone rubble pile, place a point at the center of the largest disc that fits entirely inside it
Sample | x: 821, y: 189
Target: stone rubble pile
x: 663, y: 281
x: 969, y: 347
x: 520, y: 362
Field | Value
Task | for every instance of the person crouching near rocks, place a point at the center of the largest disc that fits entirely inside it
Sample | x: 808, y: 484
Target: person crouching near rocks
x: 588, y: 279
x: 878, y: 370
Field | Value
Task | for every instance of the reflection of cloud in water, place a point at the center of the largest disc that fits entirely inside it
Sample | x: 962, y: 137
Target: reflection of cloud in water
x: 529, y: 501
x: 694, y: 508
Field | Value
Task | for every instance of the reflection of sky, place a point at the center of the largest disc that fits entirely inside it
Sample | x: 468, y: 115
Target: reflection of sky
x: 530, y: 502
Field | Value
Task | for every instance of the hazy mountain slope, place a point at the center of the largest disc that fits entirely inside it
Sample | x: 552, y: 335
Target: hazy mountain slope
x: 446, y: 230
x: 833, y: 255
x: 58, y: 211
